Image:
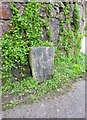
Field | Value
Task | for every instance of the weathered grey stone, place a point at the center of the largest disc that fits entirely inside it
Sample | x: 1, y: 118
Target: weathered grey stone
x: 4, y: 26
x: 20, y: 7
x: 61, y: 16
x: 55, y: 12
x: 41, y: 62
x: 61, y: 4
x: 82, y: 16
x: 81, y: 11
x: 54, y: 27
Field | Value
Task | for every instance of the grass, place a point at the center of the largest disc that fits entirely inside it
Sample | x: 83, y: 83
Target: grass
x: 66, y: 69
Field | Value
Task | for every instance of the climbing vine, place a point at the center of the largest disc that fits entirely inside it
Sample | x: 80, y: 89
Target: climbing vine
x: 69, y: 35
x: 76, y: 18
x: 26, y: 31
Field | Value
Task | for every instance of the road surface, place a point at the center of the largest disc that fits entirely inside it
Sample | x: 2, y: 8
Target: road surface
x: 69, y: 105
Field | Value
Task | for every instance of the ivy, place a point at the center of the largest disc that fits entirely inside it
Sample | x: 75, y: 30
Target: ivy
x: 69, y: 41
x: 26, y: 31
x: 76, y: 17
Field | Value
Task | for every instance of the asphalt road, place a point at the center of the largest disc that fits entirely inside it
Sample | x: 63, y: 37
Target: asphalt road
x: 69, y: 105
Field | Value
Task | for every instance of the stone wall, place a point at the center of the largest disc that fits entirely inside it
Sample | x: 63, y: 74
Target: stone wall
x: 56, y: 14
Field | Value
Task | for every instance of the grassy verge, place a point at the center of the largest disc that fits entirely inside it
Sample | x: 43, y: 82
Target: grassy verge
x: 66, y: 69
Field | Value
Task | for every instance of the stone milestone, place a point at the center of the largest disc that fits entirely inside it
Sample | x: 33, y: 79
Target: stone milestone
x: 42, y: 63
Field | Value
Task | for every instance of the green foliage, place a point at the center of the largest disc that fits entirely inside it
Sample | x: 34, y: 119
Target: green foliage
x: 66, y: 69
x: 76, y: 17
x: 69, y: 41
x: 25, y: 32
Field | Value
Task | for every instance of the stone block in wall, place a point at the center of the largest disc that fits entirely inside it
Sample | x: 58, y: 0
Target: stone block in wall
x: 82, y: 15
x: 41, y: 62
x: 81, y: 9
x: 61, y: 16
x: 5, y: 12
x: 21, y: 7
x: 54, y: 27
x: 4, y: 26
x: 55, y: 11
